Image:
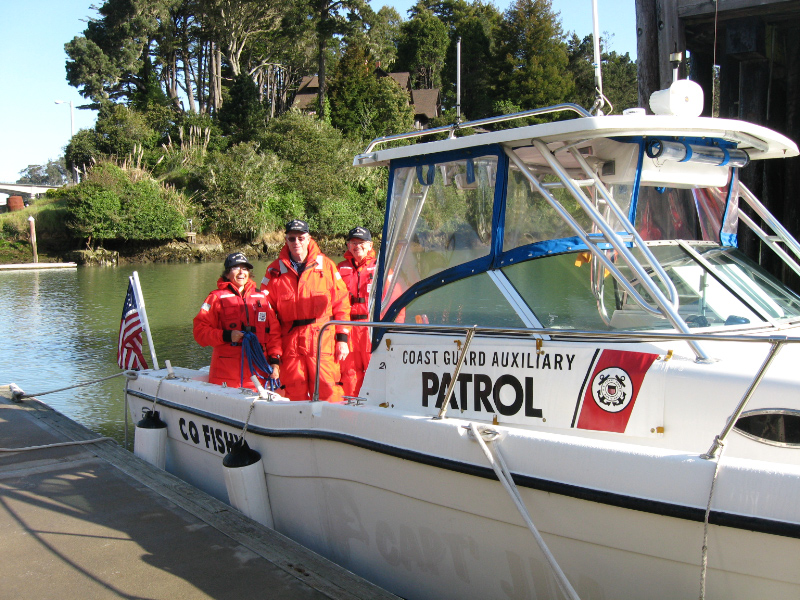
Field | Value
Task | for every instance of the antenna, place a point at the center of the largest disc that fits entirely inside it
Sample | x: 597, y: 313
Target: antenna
x: 599, y: 98
x: 458, y: 81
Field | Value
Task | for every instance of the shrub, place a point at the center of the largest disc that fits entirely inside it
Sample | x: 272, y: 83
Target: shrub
x: 112, y: 203
x: 235, y: 190
x: 94, y: 211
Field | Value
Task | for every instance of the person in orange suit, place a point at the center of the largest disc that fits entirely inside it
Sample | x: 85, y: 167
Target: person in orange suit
x: 358, y: 271
x: 228, y: 312
x: 306, y: 291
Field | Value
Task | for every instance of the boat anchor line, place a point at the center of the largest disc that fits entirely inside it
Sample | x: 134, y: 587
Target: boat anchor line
x: 487, y: 438
x: 656, y: 507
x: 17, y: 394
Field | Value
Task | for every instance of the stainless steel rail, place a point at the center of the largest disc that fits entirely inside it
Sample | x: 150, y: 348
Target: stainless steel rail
x: 663, y: 305
x: 568, y: 106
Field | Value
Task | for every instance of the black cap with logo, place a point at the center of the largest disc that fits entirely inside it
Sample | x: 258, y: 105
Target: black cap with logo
x: 297, y: 225
x: 360, y: 233
x: 237, y: 258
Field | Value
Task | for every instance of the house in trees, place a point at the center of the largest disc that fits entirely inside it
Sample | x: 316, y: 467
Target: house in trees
x: 427, y: 103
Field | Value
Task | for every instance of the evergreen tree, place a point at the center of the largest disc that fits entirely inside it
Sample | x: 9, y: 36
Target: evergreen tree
x: 619, y: 75
x: 243, y: 116
x: 532, y: 56
x: 364, y: 105
x: 422, y: 48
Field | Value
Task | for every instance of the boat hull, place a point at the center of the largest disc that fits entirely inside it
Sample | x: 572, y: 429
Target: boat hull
x: 418, y: 510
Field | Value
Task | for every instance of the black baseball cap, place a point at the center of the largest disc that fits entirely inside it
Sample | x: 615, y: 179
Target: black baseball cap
x: 237, y: 258
x: 297, y: 225
x: 361, y: 233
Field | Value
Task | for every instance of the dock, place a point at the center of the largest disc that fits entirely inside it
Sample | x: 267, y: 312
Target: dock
x: 95, y: 521
x: 38, y: 266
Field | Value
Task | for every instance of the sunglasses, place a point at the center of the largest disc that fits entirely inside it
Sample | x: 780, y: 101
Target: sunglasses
x: 296, y: 238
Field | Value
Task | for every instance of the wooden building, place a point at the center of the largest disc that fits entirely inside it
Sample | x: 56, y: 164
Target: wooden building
x: 756, y: 47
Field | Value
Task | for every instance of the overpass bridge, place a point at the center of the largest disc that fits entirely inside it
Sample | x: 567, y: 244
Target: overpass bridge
x: 26, y: 190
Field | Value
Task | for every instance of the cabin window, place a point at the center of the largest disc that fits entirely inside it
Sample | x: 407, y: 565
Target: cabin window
x: 471, y: 301
x: 776, y: 427
x: 440, y: 217
x: 529, y: 216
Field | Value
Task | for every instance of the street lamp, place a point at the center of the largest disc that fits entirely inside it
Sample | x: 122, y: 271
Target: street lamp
x: 72, y: 132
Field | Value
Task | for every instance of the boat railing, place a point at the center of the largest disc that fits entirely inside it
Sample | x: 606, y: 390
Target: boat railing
x: 661, y: 303
x: 776, y: 342
x: 451, y: 129
x: 780, y: 232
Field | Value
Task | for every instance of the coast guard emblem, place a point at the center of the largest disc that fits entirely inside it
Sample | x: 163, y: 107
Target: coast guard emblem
x: 611, y: 389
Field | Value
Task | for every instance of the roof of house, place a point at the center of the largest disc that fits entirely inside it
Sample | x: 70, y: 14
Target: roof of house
x: 307, y: 92
x: 426, y: 102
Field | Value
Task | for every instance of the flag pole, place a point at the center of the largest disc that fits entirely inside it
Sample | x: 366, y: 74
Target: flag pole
x: 137, y: 290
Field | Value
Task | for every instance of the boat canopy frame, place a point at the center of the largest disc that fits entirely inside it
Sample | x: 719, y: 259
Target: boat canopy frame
x: 603, y: 238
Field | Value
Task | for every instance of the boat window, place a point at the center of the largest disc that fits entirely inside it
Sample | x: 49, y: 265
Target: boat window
x: 775, y: 427
x: 757, y: 287
x: 667, y: 214
x: 529, y: 216
x: 698, y: 213
x: 440, y: 217
x: 736, y: 292
x: 471, y: 301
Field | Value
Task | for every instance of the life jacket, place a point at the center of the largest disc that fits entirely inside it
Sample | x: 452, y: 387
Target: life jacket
x: 358, y: 278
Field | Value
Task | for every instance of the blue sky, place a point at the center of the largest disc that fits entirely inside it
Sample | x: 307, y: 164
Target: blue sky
x: 34, y: 129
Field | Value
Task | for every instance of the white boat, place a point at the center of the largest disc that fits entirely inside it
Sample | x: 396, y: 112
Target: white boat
x: 579, y: 282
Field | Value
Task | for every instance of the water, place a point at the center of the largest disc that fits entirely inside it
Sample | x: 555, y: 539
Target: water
x: 59, y: 328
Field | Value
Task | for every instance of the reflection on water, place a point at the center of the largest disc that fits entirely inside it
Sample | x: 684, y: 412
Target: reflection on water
x: 59, y: 328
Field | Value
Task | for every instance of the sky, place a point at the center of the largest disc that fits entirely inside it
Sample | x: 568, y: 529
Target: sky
x: 34, y: 129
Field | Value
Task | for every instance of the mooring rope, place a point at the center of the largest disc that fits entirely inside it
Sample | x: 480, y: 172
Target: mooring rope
x: 58, y: 445
x: 704, y: 552
x: 498, y: 463
x: 17, y: 394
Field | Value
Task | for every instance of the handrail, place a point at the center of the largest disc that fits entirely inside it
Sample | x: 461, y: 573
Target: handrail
x: 582, y: 335
x: 771, y: 221
x: 488, y: 120
x: 663, y: 305
x: 719, y: 440
x: 631, y: 229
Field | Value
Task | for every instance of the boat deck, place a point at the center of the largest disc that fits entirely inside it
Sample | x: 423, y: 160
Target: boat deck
x: 94, y: 521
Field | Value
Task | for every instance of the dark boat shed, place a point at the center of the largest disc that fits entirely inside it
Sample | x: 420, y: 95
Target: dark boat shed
x: 756, y: 47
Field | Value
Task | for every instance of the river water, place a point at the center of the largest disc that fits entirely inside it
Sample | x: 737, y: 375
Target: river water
x: 59, y: 328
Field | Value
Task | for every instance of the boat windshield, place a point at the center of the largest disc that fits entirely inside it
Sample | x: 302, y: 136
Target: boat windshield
x: 728, y: 290
x: 440, y: 217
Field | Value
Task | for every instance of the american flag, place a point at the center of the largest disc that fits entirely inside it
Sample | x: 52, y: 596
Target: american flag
x: 129, y: 352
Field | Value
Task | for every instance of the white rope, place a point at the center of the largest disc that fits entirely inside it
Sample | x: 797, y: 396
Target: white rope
x: 58, y: 445
x: 18, y: 395
x: 704, y: 552
x: 504, y: 475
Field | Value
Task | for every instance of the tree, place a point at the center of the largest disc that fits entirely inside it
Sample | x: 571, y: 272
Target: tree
x: 422, y: 48
x: 243, y: 116
x: 329, y: 18
x: 106, y: 62
x: 364, y: 105
x: 619, y: 75
x: 531, y: 56
x: 55, y: 172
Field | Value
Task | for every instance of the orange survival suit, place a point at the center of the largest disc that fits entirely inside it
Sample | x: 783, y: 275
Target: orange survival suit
x: 303, y: 304
x: 227, y: 310
x: 358, y: 279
